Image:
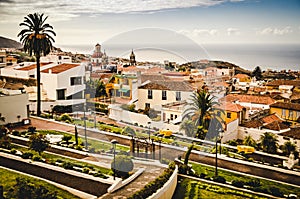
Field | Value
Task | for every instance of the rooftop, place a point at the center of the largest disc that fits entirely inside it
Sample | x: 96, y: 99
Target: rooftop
x: 284, y: 105
x: 33, y: 66
x: 256, y: 99
x: 280, y: 82
x: 60, y: 68
x: 167, y: 85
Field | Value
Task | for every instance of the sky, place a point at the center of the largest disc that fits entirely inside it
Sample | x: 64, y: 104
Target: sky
x: 78, y: 22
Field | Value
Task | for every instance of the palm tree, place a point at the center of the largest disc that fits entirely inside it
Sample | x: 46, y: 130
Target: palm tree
x: 249, y: 141
x: 37, y: 40
x: 268, y: 142
x: 204, y: 113
x: 188, y: 126
x: 288, y: 148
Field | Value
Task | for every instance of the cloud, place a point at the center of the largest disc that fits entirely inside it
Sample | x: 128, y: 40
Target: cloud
x: 233, y: 31
x: 66, y: 9
x: 275, y: 31
x: 199, y: 32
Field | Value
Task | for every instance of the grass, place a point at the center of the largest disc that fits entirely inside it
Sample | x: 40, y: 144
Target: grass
x: 53, y: 158
x: 192, y: 189
x: 230, y: 176
x: 8, y: 180
x: 96, y: 145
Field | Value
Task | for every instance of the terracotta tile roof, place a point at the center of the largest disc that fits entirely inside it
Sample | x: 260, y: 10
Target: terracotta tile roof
x: 276, y: 126
x: 284, y: 82
x: 270, y: 122
x: 167, y: 85
x: 271, y: 118
x: 228, y: 106
x: 222, y: 83
x: 60, y: 68
x: 154, y: 77
x: 241, y: 76
x: 284, y: 105
x: 293, y: 133
x: 33, y: 66
x: 295, y: 96
x: 257, y: 99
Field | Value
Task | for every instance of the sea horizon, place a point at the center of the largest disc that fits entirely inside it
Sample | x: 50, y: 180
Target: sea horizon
x: 248, y: 56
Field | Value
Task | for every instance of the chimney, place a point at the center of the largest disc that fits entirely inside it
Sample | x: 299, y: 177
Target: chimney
x: 50, y: 71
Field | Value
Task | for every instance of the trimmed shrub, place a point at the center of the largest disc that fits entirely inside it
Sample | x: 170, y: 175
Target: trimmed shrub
x: 27, y: 155
x: 276, y: 192
x: 13, y: 151
x: 65, y: 117
x: 37, y: 158
x: 123, y: 165
x: 237, y: 183
x: 86, y: 170
x: 16, y: 133
x: 67, y: 165
x: 219, y: 179
x: 253, y: 183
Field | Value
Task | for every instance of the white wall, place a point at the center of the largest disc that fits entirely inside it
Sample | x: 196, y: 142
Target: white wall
x: 13, y: 105
x: 231, y: 131
x: 156, y: 102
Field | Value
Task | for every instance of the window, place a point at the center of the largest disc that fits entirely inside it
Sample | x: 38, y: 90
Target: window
x: 228, y: 115
x: 147, y: 105
x: 61, y: 94
x: 164, y: 95
x: 178, y: 95
x: 76, y: 81
x: 171, y: 117
x: 149, y: 94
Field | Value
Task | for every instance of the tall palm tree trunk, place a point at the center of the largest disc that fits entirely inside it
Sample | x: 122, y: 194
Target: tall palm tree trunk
x: 38, y: 77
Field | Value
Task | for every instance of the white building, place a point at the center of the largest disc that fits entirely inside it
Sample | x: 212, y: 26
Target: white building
x: 61, y: 84
x: 157, y: 93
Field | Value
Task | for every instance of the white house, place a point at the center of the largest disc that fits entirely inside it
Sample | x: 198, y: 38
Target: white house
x: 154, y: 94
x: 61, y: 84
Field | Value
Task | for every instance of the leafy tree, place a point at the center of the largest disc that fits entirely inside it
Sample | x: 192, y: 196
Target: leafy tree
x: 257, y: 73
x: 25, y: 189
x: 188, y: 126
x: 100, y: 90
x: 38, y: 143
x: 268, y: 142
x: 37, y: 39
x: 288, y: 148
x: 123, y: 165
x: 67, y: 138
x: 128, y: 131
x: 249, y: 141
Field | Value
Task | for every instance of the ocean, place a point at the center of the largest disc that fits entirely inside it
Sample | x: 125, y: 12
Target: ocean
x: 248, y: 56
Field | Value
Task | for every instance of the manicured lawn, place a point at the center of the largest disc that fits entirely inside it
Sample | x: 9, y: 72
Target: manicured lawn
x: 209, y: 171
x: 192, y: 189
x: 54, y: 158
x: 8, y: 180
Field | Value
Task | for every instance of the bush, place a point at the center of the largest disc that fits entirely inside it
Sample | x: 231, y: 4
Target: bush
x: 67, y: 165
x: 37, y: 158
x: 253, y: 183
x: 276, y: 192
x: 237, y: 183
x: 16, y: 133
x: 65, y: 117
x: 86, y: 170
x: 13, y: 151
x: 123, y: 165
x: 27, y: 155
x: 219, y: 179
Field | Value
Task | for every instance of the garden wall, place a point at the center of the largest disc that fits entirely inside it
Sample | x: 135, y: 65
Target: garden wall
x: 168, y: 189
x: 88, y: 184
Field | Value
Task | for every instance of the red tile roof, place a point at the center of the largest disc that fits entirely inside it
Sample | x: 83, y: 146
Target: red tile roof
x: 228, y: 106
x: 284, y: 82
x: 167, y: 85
x: 276, y: 126
x: 33, y: 66
x: 241, y: 76
x: 60, y: 68
x: 257, y: 99
x: 289, y: 106
x: 293, y: 133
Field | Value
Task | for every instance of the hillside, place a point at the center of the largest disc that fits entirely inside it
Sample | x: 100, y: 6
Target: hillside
x: 218, y: 64
x: 9, y: 43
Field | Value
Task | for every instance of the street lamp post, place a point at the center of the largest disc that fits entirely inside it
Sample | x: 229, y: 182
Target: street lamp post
x: 84, y: 119
x: 219, y: 137
x: 114, y: 142
x: 159, y: 139
x: 95, y: 122
x: 149, y: 123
